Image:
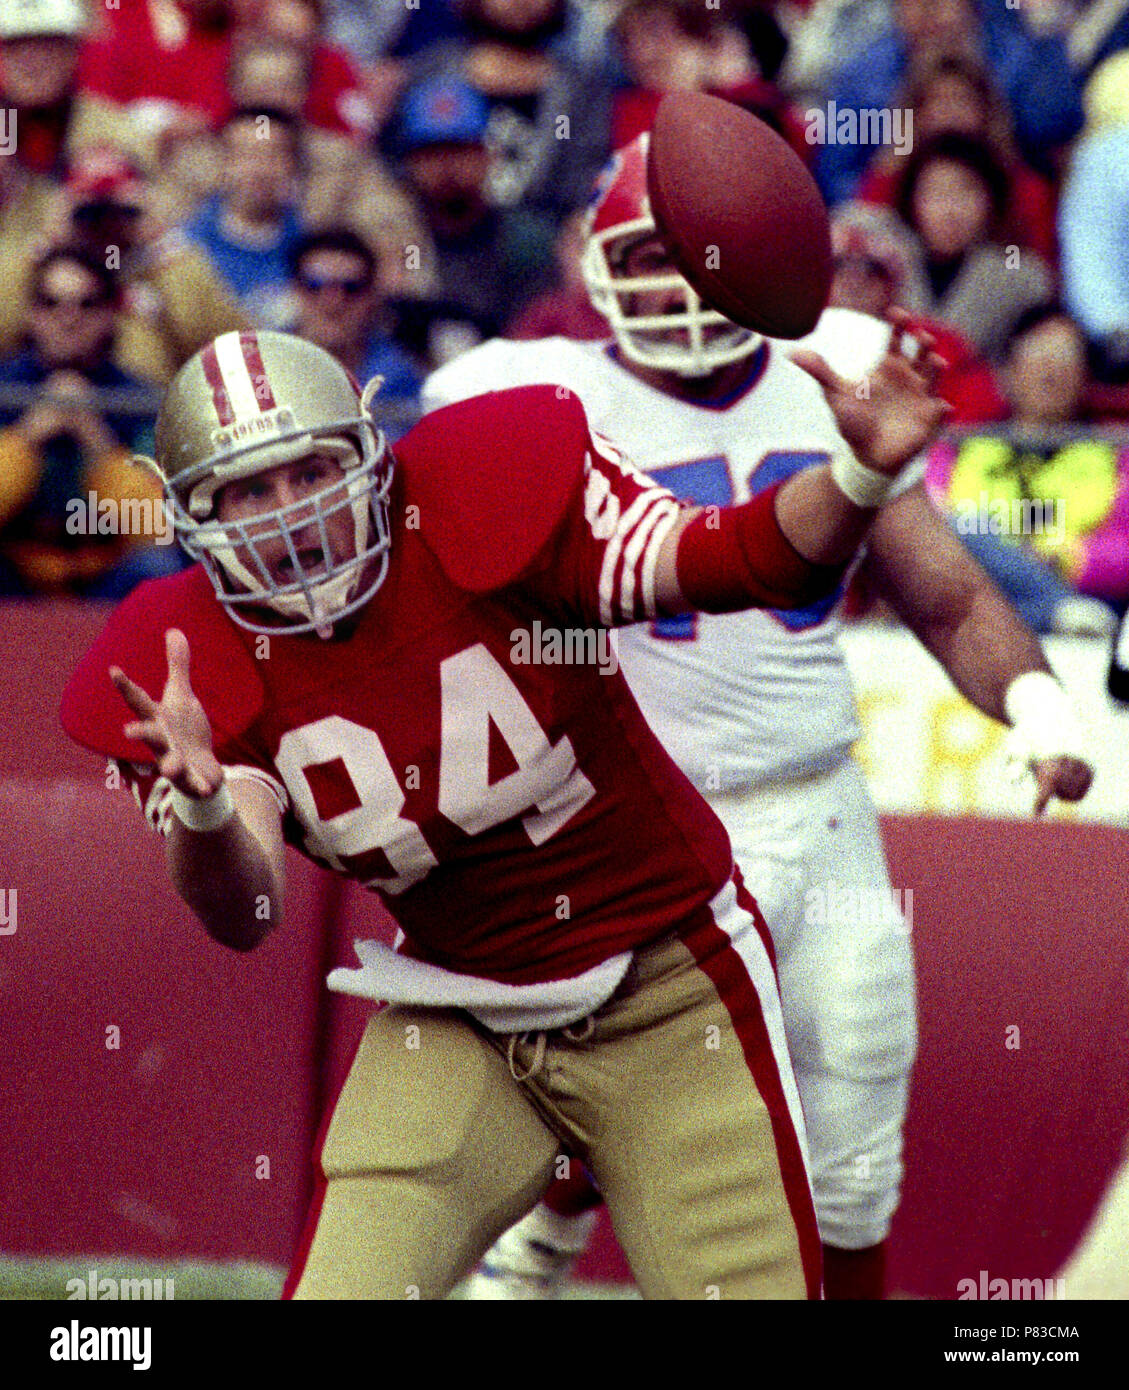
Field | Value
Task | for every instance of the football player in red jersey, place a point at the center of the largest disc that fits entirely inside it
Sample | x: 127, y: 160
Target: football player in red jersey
x: 395, y: 666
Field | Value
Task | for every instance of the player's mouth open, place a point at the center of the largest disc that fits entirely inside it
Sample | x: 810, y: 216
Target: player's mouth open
x: 311, y: 558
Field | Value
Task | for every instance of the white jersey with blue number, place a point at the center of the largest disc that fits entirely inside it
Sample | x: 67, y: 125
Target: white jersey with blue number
x: 737, y: 698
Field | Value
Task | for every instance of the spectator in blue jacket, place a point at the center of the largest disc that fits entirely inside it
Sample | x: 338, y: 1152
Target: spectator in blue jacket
x: 250, y: 228
x: 1032, y: 71
x: 1094, y: 239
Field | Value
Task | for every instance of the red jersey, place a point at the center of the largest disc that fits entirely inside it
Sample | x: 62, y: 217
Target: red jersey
x: 511, y: 807
x: 155, y: 50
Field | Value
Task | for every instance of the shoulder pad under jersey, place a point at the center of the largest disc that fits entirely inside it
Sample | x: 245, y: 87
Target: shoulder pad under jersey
x: 222, y: 671
x: 493, y: 477
x: 496, y: 365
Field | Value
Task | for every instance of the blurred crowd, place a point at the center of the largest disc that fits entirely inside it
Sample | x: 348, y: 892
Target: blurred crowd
x: 399, y: 179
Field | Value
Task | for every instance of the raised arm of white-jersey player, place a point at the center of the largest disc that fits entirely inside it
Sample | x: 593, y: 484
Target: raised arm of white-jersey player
x: 930, y: 580
x: 938, y: 590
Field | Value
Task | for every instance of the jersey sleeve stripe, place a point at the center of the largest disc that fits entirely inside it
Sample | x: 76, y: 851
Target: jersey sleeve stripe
x: 158, y: 808
x: 659, y: 533
x: 610, y: 596
x: 241, y: 773
x: 630, y: 586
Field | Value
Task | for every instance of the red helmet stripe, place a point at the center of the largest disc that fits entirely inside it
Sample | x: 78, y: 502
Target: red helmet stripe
x: 221, y: 401
x: 249, y: 342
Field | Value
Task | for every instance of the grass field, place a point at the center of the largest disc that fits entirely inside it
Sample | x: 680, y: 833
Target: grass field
x: 47, y: 1279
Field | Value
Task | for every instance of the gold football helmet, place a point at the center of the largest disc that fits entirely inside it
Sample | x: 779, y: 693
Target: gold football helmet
x: 242, y: 405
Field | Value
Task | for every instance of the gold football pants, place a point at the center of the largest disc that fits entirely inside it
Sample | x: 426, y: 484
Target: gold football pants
x: 677, y: 1094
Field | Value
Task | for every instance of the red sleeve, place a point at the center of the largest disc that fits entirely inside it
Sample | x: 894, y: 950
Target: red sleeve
x: 338, y: 101
x: 602, y: 562
x: 733, y: 558
x: 1033, y: 213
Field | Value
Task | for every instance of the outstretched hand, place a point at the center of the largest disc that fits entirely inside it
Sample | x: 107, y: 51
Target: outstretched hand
x: 176, y: 729
x: 891, y: 414
x: 1064, y: 777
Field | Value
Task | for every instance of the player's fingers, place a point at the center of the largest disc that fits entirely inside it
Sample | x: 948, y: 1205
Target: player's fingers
x: 139, y: 701
x: 1044, y: 785
x: 898, y: 319
x: 815, y: 366
x: 1074, y: 779
x: 1068, y: 778
x: 150, y: 732
x: 930, y: 366
x: 172, y: 766
x: 198, y: 784
x: 179, y: 659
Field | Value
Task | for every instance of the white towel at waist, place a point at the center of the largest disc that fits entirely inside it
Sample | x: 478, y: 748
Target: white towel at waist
x: 384, y: 975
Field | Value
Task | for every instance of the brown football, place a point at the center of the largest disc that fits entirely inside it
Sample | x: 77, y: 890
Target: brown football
x: 742, y: 216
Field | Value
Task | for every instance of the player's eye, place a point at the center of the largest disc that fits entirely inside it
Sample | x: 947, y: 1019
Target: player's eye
x: 249, y: 490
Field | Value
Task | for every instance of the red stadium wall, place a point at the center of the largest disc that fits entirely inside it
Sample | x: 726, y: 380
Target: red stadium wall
x: 156, y: 1146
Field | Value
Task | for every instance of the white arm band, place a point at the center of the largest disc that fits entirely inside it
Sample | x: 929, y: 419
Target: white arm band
x: 1043, y: 719
x: 204, y: 813
x: 863, y: 486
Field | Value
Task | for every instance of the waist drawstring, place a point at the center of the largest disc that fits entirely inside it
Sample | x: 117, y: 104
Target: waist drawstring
x: 587, y: 1026
x: 577, y: 1032
x: 538, y: 1055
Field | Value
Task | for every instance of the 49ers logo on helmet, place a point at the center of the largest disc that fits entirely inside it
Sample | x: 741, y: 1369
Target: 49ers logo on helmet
x: 233, y: 368
x: 258, y: 426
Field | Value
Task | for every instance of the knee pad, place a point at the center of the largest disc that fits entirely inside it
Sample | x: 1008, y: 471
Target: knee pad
x: 850, y: 1007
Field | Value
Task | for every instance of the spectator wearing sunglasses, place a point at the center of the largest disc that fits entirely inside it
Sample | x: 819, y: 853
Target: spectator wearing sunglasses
x: 77, y: 516
x: 340, y: 308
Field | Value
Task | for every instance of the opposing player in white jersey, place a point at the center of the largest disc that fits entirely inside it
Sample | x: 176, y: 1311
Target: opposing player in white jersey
x: 758, y: 708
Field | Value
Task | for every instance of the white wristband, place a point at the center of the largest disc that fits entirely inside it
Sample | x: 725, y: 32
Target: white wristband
x: 1043, y: 719
x: 864, y: 486
x: 204, y: 813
